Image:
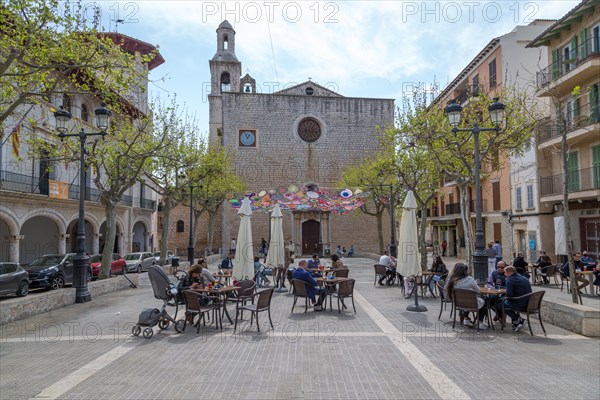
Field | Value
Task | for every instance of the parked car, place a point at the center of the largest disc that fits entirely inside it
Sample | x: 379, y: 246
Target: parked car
x: 116, y: 266
x: 138, y: 262
x: 13, y: 279
x: 53, y: 271
x: 170, y: 255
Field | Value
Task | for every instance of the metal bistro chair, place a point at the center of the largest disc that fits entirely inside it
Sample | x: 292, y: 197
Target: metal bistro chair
x: 262, y: 303
x: 533, y: 307
x: 443, y: 299
x: 380, y: 271
x: 243, y: 295
x: 341, y: 273
x: 193, y: 308
x: 466, y: 301
x: 550, y: 273
x: 300, y: 292
x: 345, y: 290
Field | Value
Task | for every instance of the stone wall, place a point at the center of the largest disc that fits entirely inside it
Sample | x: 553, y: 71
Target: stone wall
x: 179, y: 241
x: 40, y: 302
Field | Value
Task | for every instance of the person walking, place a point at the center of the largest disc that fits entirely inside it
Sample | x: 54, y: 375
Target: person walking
x: 498, y: 247
x: 491, y: 255
x: 444, y: 245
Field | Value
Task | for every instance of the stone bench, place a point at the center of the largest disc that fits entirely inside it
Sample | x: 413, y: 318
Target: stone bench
x: 40, y: 302
x: 584, y: 320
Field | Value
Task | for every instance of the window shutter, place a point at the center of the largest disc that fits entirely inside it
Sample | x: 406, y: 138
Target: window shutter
x: 583, y: 41
x: 573, y: 52
x: 594, y: 104
x: 555, y: 64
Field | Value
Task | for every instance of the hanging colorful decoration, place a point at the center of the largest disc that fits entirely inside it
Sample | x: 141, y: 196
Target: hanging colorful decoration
x: 306, y: 198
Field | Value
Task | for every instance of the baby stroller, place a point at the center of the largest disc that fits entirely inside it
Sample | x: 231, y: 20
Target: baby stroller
x: 167, y: 292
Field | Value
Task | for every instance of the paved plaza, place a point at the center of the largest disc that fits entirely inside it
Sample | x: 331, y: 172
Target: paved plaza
x: 86, y: 351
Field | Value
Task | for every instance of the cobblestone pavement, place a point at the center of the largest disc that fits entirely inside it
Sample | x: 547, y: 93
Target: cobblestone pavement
x: 86, y: 351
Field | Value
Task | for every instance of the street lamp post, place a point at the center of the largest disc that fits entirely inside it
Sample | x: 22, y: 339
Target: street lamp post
x: 496, y: 110
x: 80, y: 261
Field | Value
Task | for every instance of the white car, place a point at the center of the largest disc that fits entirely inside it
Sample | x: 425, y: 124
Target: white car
x: 138, y: 262
x: 167, y: 260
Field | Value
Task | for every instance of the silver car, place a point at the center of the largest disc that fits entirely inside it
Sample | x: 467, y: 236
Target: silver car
x: 167, y: 260
x: 138, y: 262
x: 13, y: 279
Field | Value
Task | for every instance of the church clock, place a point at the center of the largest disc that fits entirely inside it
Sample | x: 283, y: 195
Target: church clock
x: 247, y: 138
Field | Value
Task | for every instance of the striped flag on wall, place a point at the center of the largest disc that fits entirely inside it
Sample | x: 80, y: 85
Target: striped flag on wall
x: 16, y: 140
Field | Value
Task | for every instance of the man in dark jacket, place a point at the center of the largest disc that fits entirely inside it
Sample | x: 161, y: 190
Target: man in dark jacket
x: 516, y: 286
x: 227, y: 262
x: 312, y: 288
x: 521, y: 265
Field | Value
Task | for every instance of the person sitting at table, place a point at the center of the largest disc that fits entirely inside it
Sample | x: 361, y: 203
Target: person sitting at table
x: 565, y: 271
x: 597, y: 281
x: 227, y: 262
x: 521, y: 265
x: 543, y: 265
x: 390, y: 268
x: 587, y: 261
x: 439, y: 268
x: 204, y: 273
x: 312, y: 289
x: 314, y: 262
x: 460, y: 279
x: 498, y: 278
x: 516, y: 286
x: 336, y: 263
x: 351, y: 251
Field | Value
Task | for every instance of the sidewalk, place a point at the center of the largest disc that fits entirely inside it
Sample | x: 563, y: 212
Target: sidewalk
x: 86, y: 351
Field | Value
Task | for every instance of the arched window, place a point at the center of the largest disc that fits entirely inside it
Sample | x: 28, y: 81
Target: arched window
x: 225, y: 82
x: 225, y: 42
x: 180, y: 226
x: 85, y: 114
x: 66, y: 102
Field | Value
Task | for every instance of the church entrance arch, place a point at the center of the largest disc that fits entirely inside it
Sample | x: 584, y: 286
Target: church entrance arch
x: 310, y: 236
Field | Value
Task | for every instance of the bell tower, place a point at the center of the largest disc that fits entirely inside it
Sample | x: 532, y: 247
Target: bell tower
x: 225, y: 72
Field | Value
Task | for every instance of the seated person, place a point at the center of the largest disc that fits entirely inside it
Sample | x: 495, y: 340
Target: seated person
x: 192, y: 281
x: 439, y: 268
x: 312, y: 289
x: 597, y: 281
x: 390, y: 268
x: 314, y: 262
x: 587, y: 261
x: 227, y: 262
x: 543, y: 265
x: 521, y: 265
x: 498, y: 279
x: 566, y: 272
x: 351, y: 251
x: 516, y: 286
x: 259, y: 273
x: 336, y: 263
x: 460, y: 279
x: 205, y: 273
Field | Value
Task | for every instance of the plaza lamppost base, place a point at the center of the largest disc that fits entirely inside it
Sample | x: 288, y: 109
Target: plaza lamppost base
x: 80, y: 277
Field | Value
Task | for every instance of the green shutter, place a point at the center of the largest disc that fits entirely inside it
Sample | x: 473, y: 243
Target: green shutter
x: 594, y: 104
x: 555, y: 64
x: 573, y: 171
x: 583, y: 40
x: 596, y: 166
x: 573, y: 52
x: 576, y: 112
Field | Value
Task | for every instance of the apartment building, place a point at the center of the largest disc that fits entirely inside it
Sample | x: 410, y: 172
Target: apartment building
x: 504, y: 62
x: 571, y: 83
x: 39, y: 196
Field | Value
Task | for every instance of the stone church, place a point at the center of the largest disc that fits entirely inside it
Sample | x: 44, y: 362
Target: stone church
x: 302, y: 135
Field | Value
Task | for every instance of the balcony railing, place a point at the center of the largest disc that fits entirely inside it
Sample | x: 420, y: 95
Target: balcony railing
x: 148, y: 204
x: 567, y: 63
x: 584, y: 115
x: 22, y: 183
x: 452, y: 208
x: 91, y: 194
x: 579, y: 180
x: 468, y: 92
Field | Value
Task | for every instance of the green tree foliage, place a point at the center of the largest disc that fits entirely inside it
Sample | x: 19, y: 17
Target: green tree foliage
x: 48, y: 46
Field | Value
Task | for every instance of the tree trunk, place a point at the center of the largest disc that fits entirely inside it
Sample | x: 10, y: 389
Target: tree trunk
x: 197, y: 215
x: 211, y: 231
x: 378, y: 216
x: 465, y: 216
x: 572, y: 277
x: 164, y: 236
x: 109, y: 240
x: 422, y: 243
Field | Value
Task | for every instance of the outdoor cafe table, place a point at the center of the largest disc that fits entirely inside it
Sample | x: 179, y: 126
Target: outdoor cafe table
x: 533, y: 269
x: 226, y: 276
x: 487, y: 292
x: 221, y: 292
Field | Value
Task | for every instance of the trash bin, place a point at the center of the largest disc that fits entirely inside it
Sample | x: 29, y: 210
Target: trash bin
x: 175, y: 262
x: 327, y: 252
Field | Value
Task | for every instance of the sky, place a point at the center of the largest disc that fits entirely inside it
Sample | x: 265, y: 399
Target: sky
x: 376, y: 49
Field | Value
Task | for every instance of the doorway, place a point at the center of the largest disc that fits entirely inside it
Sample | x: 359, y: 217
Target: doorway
x: 310, y: 236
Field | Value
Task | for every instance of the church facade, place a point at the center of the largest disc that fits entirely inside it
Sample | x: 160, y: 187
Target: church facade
x: 301, y: 136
